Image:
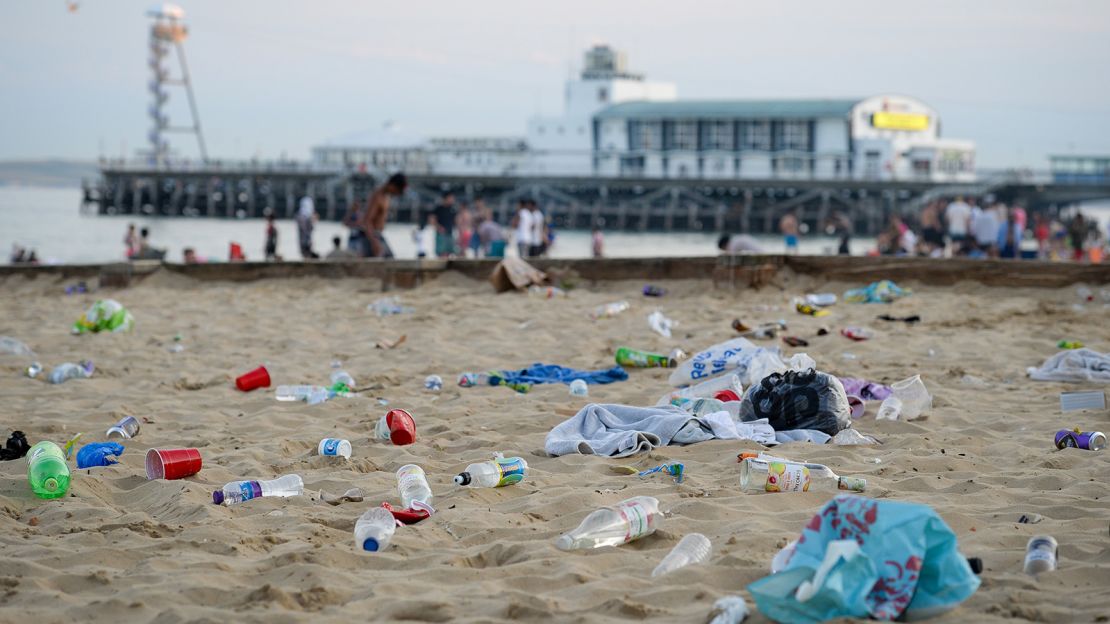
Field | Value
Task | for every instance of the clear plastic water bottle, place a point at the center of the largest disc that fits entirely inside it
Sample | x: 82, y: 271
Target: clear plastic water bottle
x: 470, y: 380
x: 578, y: 387
x: 612, y: 526
x: 413, y: 486
x: 239, y: 491
x: 343, y: 377
x: 47, y: 471
x: 374, y: 529
x: 609, y: 310
x: 1040, y: 554
x: 694, y: 548
x: 309, y: 394
x: 11, y: 346
x: 334, y: 447
x: 69, y: 370
x: 433, y: 383
x: 497, y: 472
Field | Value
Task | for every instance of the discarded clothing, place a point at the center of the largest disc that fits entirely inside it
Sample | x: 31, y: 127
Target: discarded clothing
x: 884, y: 291
x: 552, y: 373
x: 15, y: 447
x: 866, y: 390
x: 620, y: 430
x: 104, y: 315
x: 802, y: 435
x: 798, y: 400
x: 903, y: 319
x: 98, y: 454
x: 860, y: 557
x: 1074, y: 365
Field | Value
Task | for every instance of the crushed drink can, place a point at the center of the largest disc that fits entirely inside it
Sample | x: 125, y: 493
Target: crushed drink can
x: 1086, y: 440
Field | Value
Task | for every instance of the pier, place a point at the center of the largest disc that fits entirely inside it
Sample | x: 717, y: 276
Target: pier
x: 253, y: 189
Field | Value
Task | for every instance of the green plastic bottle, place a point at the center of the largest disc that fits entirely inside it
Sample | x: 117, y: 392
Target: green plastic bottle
x: 47, y: 470
x: 642, y: 359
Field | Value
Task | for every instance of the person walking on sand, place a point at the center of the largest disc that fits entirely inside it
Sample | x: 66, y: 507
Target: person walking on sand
x: 597, y: 242
x: 271, y: 238
x: 131, y: 241
x: 446, y: 216
x: 788, y: 226
x: 356, y: 235
x: 522, y: 226
x: 539, y: 230
x: 306, y: 222
x: 378, y: 212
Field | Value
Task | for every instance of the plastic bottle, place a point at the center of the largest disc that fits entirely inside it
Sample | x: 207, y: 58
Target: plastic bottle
x: 239, y: 491
x: 69, y: 370
x: 412, y: 484
x: 470, y: 380
x: 612, y: 526
x: 47, y: 471
x: 1040, y: 555
x: 694, y: 548
x: 774, y: 475
x: 635, y: 358
x: 310, y: 394
x: 334, y: 447
x: 704, y: 390
x: 548, y: 292
x: 497, y: 472
x: 11, y: 346
x: 374, y: 529
x: 609, y: 310
x: 579, y: 387
x: 343, y: 377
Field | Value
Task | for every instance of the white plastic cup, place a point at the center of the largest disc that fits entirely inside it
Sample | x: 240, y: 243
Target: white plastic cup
x: 579, y: 387
x: 914, y: 396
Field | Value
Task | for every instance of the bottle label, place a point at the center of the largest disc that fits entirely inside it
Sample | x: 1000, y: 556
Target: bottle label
x: 331, y: 446
x: 783, y: 477
x: 852, y: 484
x: 250, y: 489
x: 637, y: 519
x: 512, y: 471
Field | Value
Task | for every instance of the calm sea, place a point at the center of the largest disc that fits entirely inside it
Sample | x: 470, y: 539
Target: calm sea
x: 49, y: 220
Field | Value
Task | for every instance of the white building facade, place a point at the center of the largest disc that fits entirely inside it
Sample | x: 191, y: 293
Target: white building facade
x: 616, y: 124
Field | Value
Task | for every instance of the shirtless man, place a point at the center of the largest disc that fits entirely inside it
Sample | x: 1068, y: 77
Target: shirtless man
x: 378, y: 211
x: 788, y: 225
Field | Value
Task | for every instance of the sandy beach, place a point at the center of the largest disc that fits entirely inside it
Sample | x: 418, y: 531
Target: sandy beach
x: 120, y: 548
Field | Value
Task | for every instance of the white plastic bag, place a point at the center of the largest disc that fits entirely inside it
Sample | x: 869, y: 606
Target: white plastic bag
x: 661, y: 324
x: 736, y: 356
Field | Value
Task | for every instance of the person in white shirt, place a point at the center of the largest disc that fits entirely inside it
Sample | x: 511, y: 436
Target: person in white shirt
x: 958, y: 217
x: 539, y: 230
x: 522, y: 224
x: 306, y: 221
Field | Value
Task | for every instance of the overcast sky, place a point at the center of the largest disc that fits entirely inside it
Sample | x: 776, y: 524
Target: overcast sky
x: 1022, y: 78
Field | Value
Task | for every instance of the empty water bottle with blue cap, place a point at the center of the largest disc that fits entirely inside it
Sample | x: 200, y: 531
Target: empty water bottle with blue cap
x: 374, y: 529
x: 241, y: 491
x: 498, y: 472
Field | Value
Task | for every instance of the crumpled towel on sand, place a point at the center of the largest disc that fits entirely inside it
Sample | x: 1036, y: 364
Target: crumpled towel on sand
x: 1073, y: 365
x: 552, y: 373
x: 620, y: 430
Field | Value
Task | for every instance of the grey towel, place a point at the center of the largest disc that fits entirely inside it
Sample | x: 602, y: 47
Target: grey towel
x: 615, y: 430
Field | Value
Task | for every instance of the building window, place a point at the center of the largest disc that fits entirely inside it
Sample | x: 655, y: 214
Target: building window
x: 795, y: 135
x: 645, y: 135
x: 718, y: 135
x: 682, y: 135
x: 757, y: 135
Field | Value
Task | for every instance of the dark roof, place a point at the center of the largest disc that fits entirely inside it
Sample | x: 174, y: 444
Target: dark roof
x: 729, y: 109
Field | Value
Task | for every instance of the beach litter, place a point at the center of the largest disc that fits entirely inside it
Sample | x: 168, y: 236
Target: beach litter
x: 654, y: 291
x: 98, y: 454
x: 729, y: 610
x: 692, y: 549
x: 1087, y: 400
x: 883, y: 291
x: 64, y: 372
x: 1086, y: 440
x: 660, y: 324
x: 388, y: 306
x: 515, y: 274
x: 609, y: 310
x: 353, y: 495
x: 12, y: 346
x: 805, y: 399
x: 676, y: 470
x: 126, y: 428
x: 857, y: 333
x: 823, y: 300
x: 624, y: 522
x: 859, y: 557
x: 397, y: 426
x: 15, y: 446
x: 386, y: 343
x: 909, y: 320
x: 1069, y: 344
x: 1073, y: 365
x: 104, y: 315
x: 909, y: 400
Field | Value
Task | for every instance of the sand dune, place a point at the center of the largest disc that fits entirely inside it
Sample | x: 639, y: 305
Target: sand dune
x: 121, y: 548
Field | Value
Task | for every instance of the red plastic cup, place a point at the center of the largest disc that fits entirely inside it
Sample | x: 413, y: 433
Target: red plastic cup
x: 402, y: 428
x: 172, y: 463
x: 257, y: 378
x: 725, y: 396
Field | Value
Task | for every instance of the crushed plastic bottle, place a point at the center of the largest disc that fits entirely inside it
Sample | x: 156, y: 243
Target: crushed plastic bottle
x: 388, y: 306
x: 547, y: 292
x: 11, y: 346
x: 498, y: 472
x: 312, y: 395
x: 660, y: 324
x: 412, y: 485
x: 64, y: 372
x: 609, y: 310
x: 240, y: 491
x: 694, y: 548
x: 374, y: 529
x: 579, y: 387
x: 612, y: 526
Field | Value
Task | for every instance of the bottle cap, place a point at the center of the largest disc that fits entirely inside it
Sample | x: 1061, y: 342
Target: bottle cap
x: 370, y: 544
x: 463, y: 478
x: 218, y: 497
x: 50, y: 484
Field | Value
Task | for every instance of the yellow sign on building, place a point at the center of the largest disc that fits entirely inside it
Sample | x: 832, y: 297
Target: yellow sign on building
x: 900, y: 121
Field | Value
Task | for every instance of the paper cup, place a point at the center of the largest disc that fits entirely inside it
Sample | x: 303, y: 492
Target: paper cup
x: 172, y: 463
x: 402, y: 428
x: 257, y: 378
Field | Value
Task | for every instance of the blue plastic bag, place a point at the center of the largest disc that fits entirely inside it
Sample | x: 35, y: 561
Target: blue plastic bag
x: 884, y: 291
x: 860, y: 557
x: 98, y: 454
